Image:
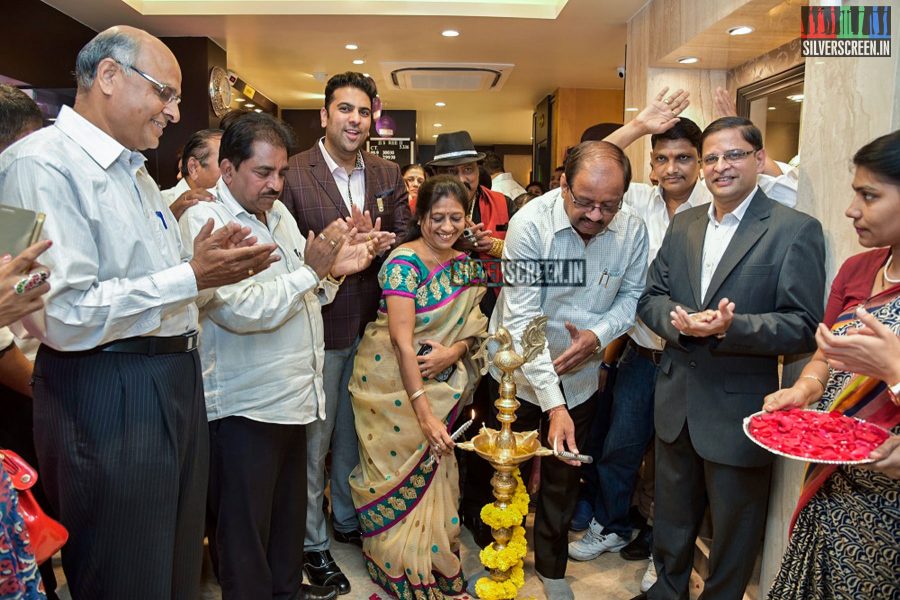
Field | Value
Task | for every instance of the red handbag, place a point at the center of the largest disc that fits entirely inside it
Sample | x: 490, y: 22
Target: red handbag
x: 47, y: 535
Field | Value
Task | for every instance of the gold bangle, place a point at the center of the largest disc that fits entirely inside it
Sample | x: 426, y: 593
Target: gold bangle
x: 416, y: 394
x: 496, y: 249
x: 814, y: 378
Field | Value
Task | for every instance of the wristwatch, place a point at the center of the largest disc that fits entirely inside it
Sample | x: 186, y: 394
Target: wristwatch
x: 894, y: 391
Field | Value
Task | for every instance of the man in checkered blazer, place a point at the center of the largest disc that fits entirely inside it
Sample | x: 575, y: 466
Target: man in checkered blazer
x: 335, y: 179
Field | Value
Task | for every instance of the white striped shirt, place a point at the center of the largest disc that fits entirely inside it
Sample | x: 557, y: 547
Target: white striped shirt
x: 616, y: 265
x: 116, y: 264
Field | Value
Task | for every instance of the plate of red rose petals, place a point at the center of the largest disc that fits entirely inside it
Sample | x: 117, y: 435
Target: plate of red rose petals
x: 815, y: 436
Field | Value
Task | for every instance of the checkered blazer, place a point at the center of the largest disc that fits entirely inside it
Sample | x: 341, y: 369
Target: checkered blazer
x: 312, y: 196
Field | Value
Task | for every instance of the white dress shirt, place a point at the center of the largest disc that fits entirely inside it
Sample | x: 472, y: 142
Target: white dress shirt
x: 505, y: 184
x: 171, y: 195
x: 352, y: 186
x: 648, y: 203
x: 116, y: 263
x: 718, y: 236
x: 262, y: 341
x: 616, y: 265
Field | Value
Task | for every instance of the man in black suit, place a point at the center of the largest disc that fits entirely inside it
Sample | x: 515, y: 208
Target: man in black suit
x: 736, y: 284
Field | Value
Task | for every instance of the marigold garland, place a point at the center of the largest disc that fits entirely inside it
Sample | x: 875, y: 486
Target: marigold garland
x: 510, y: 557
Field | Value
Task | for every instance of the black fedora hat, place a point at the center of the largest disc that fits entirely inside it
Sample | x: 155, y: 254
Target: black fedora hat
x: 453, y: 149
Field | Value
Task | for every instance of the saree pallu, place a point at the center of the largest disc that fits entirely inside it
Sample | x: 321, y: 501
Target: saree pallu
x: 845, y: 533
x: 407, y: 508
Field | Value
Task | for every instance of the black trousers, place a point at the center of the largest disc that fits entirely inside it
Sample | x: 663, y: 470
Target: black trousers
x: 738, y: 500
x: 559, y: 487
x: 17, y: 434
x: 257, y: 500
x: 123, y: 447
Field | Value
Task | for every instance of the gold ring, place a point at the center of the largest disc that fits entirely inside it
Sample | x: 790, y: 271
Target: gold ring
x: 322, y: 237
x: 668, y: 101
x: 250, y: 272
x: 333, y: 243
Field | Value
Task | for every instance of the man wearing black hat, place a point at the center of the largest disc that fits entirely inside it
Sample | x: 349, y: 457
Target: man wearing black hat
x: 489, y: 213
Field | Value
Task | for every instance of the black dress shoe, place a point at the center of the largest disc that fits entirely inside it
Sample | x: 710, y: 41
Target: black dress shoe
x: 315, y: 592
x: 323, y: 571
x: 640, y: 547
x: 351, y: 537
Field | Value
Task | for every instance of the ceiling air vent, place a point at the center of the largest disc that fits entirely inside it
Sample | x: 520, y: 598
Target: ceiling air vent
x: 440, y: 77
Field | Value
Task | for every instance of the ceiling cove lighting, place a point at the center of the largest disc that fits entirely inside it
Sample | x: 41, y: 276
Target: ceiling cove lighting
x: 450, y: 33
x: 741, y: 30
x: 688, y: 60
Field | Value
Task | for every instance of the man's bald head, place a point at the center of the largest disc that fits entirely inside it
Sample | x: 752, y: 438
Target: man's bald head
x: 589, y: 153
x: 122, y: 44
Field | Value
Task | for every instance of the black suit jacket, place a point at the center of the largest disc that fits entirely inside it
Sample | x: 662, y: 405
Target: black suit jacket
x: 774, y: 272
x: 312, y: 196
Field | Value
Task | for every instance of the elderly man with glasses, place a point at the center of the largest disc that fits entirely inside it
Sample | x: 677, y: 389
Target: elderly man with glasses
x: 119, y: 417
x: 582, y: 220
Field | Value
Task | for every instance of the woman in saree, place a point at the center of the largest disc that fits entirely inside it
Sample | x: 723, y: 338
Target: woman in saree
x: 845, y: 531
x: 413, y: 374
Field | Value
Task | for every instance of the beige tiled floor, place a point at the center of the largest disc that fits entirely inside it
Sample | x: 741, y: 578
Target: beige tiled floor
x: 608, y: 577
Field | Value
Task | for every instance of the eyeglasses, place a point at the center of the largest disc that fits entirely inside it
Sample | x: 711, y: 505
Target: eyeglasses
x: 731, y: 157
x: 166, y: 92
x: 607, y: 209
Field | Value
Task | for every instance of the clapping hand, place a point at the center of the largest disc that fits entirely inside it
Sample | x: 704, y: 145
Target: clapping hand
x: 367, y: 231
x: 706, y: 323
x: 873, y: 349
x: 228, y: 255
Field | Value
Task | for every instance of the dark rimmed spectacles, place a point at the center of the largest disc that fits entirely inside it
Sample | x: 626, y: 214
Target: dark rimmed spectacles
x: 608, y: 208
x: 731, y: 157
x: 166, y: 92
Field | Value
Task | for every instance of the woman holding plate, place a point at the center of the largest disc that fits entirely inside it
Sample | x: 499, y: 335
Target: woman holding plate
x: 844, y: 532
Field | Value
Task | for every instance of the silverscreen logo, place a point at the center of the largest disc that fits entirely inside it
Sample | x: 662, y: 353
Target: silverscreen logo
x: 845, y: 30
x: 495, y: 272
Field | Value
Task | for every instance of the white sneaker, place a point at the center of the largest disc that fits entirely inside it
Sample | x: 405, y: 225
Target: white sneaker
x: 649, y: 577
x: 595, y: 542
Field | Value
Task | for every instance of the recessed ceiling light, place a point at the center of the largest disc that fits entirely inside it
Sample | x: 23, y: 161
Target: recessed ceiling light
x: 440, y: 104
x: 249, y: 105
x: 631, y: 109
x: 450, y: 33
x: 434, y: 136
x: 258, y: 110
x: 438, y: 125
x: 771, y: 108
x: 240, y: 99
x: 351, y: 47
x: 740, y: 30
x: 795, y: 97
x: 358, y: 61
x: 365, y: 75
x: 688, y: 60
